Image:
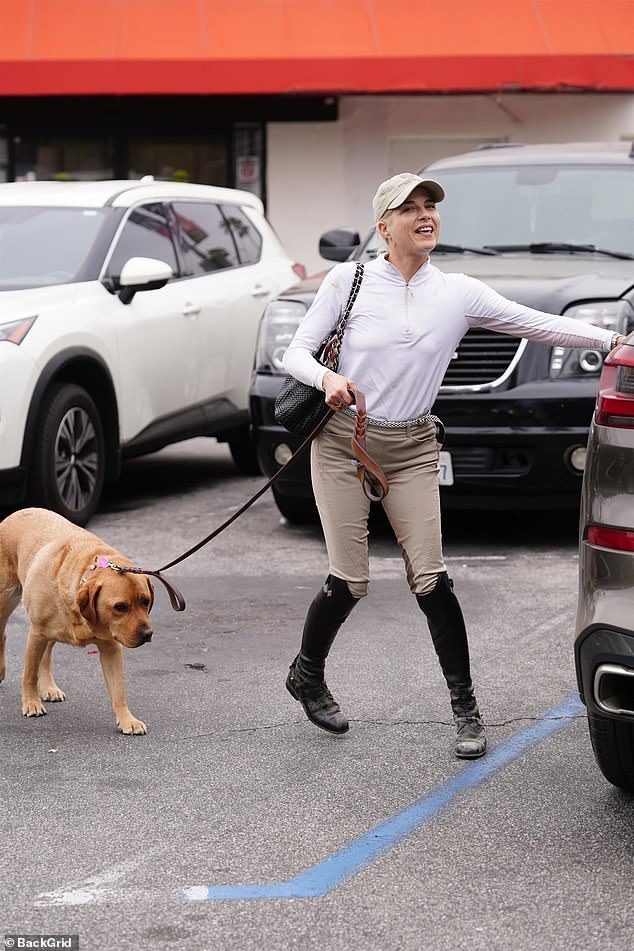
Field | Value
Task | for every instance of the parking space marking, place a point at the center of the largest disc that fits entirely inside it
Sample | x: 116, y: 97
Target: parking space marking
x: 361, y: 852
x: 100, y: 886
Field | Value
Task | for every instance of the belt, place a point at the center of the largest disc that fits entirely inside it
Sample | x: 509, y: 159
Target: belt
x: 393, y: 424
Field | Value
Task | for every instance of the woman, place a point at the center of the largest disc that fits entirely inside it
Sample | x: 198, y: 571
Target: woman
x: 404, y: 327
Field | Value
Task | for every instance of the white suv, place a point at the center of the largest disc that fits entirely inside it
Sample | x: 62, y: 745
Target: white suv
x: 92, y: 371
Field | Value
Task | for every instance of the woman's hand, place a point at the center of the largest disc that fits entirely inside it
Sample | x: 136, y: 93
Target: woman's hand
x: 337, y: 390
x: 619, y: 340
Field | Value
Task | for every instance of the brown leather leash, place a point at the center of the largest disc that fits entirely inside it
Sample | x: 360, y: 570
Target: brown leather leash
x: 371, y: 476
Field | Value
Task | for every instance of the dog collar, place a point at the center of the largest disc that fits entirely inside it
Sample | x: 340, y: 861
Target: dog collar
x: 176, y: 598
x: 101, y: 561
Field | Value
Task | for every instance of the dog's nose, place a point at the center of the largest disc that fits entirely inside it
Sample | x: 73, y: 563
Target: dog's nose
x: 145, y: 634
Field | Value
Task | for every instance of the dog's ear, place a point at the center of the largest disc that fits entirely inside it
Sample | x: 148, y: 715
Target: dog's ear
x: 87, y: 599
x: 151, y: 594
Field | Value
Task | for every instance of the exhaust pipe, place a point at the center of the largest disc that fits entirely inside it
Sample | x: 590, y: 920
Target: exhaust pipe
x: 614, y: 690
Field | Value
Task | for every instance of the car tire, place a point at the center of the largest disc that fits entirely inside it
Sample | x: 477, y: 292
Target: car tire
x: 296, y: 510
x: 68, y: 464
x: 613, y: 745
x: 243, y: 453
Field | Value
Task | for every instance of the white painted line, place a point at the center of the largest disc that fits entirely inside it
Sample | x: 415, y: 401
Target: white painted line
x: 95, y: 888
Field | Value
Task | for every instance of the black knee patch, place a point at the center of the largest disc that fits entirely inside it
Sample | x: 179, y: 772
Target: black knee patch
x: 337, y: 588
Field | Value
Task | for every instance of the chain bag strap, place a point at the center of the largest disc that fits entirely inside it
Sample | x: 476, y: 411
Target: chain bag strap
x: 330, y: 349
x: 299, y: 407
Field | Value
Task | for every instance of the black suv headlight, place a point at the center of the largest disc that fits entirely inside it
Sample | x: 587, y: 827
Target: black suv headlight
x: 277, y: 329
x: 614, y: 315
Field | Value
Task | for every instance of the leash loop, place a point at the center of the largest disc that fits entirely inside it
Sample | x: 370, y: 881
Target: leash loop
x: 176, y: 598
x: 372, y: 478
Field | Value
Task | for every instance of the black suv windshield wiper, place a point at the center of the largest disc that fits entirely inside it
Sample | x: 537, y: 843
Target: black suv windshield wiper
x: 462, y: 249
x: 560, y: 247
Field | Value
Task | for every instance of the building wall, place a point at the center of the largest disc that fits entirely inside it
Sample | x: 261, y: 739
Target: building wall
x: 321, y: 175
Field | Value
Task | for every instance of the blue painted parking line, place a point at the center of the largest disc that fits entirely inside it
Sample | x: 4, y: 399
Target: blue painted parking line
x: 361, y: 852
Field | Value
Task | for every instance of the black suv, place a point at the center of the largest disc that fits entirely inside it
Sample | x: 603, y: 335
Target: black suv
x: 550, y: 226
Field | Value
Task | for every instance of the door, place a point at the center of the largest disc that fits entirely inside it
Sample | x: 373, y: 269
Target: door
x: 218, y: 245
x: 159, y: 333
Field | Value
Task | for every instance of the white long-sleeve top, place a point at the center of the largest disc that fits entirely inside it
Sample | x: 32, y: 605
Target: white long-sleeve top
x: 401, y: 336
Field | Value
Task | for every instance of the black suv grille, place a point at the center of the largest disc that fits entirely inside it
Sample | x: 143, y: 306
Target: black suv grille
x: 482, y: 357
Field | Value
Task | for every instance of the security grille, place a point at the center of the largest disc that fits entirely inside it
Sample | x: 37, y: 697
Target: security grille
x: 471, y: 459
x: 476, y: 460
x: 482, y: 357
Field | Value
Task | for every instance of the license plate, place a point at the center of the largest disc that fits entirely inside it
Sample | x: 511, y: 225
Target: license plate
x: 445, y: 473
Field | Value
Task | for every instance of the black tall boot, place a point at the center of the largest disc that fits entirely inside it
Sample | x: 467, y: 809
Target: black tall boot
x: 449, y: 636
x: 305, y: 682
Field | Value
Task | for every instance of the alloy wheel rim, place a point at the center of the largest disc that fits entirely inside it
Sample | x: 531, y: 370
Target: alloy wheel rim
x: 76, y: 459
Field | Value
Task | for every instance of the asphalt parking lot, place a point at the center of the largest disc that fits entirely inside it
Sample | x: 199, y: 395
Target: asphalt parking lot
x: 235, y: 824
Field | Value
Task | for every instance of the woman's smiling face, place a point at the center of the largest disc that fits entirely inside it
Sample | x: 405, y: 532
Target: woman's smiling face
x: 413, y: 228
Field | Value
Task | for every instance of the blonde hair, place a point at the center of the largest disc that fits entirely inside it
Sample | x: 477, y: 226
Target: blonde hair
x: 384, y: 217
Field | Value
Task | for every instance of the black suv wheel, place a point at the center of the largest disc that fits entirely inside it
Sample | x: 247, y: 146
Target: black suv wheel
x: 243, y: 452
x: 297, y: 511
x: 67, y: 472
x: 613, y: 745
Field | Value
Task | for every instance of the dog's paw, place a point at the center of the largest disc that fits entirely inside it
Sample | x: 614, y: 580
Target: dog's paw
x: 54, y: 694
x: 132, y: 727
x: 33, y: 708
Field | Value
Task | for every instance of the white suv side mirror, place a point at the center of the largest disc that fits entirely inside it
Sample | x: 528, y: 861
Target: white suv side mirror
x: 142, y: 274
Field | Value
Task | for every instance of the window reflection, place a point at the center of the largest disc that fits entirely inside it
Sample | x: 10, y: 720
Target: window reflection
x: 247, y: 237
x: 206, y: 239
x: 145, y: 234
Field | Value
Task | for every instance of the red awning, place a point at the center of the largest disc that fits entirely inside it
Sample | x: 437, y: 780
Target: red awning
x: 64, y: 47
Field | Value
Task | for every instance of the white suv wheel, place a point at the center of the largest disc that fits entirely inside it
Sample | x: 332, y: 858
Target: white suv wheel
x: 69, y: 456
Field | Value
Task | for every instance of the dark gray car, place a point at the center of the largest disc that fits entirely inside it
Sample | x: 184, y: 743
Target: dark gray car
x: 604, y: 649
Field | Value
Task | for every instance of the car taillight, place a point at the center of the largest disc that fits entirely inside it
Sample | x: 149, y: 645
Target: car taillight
x: 300, y: 270
x: 619, y: 539
x: 615, y: 402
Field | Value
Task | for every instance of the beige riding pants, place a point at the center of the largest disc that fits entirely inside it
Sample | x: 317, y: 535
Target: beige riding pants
x: 409, y: 458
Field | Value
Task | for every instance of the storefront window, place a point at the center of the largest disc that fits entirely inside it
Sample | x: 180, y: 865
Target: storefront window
x: 203, y: 162
x: 231, y: 158
x: 67, y: 159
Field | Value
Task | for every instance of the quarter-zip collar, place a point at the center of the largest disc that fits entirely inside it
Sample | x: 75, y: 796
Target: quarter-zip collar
x: 406, y: 289
x: 393, y: 273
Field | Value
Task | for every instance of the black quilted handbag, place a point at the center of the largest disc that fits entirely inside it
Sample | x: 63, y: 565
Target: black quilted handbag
x: 299, y: 407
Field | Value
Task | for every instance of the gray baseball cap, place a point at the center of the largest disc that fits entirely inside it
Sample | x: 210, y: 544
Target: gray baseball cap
x: 396, y: 190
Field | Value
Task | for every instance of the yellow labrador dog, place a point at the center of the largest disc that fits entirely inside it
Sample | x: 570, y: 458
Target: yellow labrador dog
x: 72, y: 594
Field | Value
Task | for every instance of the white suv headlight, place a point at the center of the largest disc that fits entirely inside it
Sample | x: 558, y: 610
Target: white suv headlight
x: 614, y: 315
x: 16, y: 330
x: 277, y: 329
